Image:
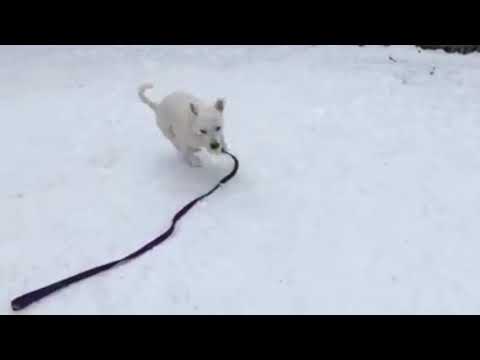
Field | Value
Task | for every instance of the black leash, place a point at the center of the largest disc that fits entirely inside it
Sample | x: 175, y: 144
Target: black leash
x: 23, y: 301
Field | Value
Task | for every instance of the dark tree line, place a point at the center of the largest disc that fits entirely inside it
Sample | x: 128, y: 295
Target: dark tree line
x: 463, y: 49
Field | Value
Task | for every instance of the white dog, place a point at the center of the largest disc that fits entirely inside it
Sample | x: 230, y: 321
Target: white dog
x: 189, y: 123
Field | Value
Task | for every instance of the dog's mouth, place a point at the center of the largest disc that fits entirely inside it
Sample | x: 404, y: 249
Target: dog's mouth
x: 215, y: 151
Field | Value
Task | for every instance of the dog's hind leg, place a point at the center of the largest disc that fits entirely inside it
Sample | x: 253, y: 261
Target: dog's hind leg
x: 178, y: 147
x: 166, y: 129
x: 168, y: 132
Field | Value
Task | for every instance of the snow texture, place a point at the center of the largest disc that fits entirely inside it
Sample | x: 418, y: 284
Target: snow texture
x: 358, y: 191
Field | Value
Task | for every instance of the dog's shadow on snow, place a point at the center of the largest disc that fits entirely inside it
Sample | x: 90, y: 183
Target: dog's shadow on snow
x: 176, y: 176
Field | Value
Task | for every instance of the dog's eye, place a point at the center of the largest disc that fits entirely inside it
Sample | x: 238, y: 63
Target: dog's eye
x: 219, y: 128
x: 204, y: 132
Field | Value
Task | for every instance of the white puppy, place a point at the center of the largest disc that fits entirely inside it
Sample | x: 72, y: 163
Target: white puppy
x: 189, y: 123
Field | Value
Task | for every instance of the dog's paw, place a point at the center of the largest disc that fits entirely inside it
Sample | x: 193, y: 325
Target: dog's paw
x: 194, y: 161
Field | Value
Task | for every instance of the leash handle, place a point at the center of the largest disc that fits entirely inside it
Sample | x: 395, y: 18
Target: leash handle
x: 26, y: 300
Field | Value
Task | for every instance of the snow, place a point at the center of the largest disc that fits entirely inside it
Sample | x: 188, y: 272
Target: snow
x: 358, y: 190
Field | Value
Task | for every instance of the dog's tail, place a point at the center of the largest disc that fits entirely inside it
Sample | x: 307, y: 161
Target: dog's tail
x: 141, y: 93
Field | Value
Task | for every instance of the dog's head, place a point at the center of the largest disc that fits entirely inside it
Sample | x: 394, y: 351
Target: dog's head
x: 208, y: 125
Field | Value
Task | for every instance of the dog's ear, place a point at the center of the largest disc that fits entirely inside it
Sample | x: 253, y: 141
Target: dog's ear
x: 220, y: 105
x: 193, y: 109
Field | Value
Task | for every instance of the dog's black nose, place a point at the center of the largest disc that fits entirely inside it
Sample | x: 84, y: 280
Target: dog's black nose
x: 215, y: 146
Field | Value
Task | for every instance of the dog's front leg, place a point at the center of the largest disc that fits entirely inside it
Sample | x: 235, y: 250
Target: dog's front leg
x: 191, y: 158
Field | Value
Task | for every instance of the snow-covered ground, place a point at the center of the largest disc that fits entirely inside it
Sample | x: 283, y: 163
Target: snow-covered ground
x: 358, y: 192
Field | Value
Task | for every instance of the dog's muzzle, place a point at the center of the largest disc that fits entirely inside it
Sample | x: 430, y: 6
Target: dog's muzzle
x: 215, y: 146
